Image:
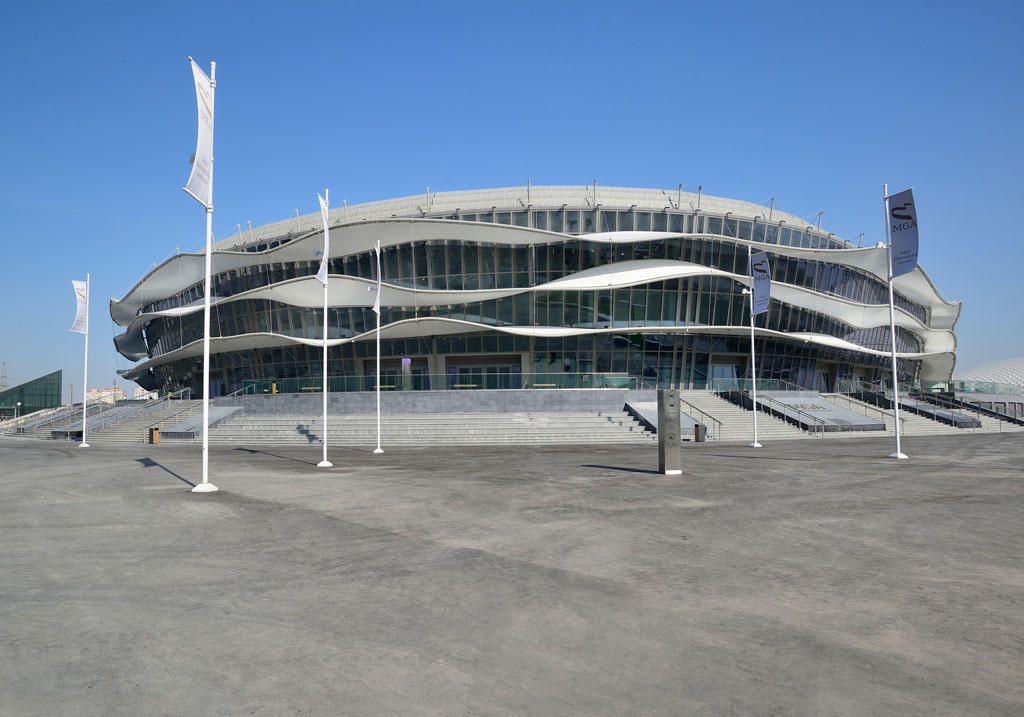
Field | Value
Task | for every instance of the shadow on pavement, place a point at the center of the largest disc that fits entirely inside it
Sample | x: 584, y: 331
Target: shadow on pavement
x: 621, y: 468
x: 276, y: 455
x: 150, y: 463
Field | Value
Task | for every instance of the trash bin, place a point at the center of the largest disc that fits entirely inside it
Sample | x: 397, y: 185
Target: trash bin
x: 700, y: 432
x: 154, y: 435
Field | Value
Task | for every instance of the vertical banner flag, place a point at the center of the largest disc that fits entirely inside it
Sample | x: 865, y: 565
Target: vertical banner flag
x: 376, y: 300
x: 903, y: 232
x: 200, y: 180
x: 761, y: 282
x: 81, y: 324
x: 321, y: 273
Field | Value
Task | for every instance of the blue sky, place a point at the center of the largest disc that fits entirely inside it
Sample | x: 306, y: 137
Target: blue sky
x: 815, y: 103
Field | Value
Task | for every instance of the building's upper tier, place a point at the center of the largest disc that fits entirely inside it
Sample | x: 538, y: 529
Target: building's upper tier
x: 511, y: 205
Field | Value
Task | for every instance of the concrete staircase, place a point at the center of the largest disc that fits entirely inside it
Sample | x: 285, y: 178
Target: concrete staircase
x: 135, y: 427
x: 737, y: 423
x: 914, y: 425
x: 428, y: 429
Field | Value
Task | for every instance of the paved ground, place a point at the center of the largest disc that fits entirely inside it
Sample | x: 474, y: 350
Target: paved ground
x: 810, y: 577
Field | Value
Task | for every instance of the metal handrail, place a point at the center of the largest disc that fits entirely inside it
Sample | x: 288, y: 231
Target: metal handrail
x: 718, y: 431
x: 818, y: 422
x: 71, y: 414
x: 167, y: 418
x: 854, y: 404
x: 150, y: 406
x: 882, y: 389
x: 950, y: 405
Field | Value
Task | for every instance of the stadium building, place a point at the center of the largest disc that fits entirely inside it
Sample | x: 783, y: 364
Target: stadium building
x: 523, y: 287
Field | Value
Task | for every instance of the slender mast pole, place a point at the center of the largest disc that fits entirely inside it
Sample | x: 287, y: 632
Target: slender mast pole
x: 325, y: 463
x: 206, y: 486
x: 378, y: 449
x: 899, y: 454
x: 753, y: 357
x: 85, y: 370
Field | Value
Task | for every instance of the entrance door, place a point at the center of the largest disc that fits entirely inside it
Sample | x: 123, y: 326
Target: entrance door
x: 724, y: 376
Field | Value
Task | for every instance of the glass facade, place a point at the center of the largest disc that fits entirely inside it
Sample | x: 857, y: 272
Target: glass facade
x: 628, y: 318
x: 34, y: 395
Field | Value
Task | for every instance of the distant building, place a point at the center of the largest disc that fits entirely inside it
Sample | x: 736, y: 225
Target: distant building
x: 34, y: 395
x: 997, y: 386
x: 141, y: 394
x: 106, y: 395
x: 558, y: 287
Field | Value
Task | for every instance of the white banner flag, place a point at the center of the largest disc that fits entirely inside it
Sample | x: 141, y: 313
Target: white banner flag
x: 200, y: 184
x: 376, y: 299
x: 761, y: 282
x: 321, y: 273
x: 81, y: 325
x: 903, y: 232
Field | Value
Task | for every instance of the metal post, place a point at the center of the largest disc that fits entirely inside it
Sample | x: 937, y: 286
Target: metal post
x: 325, y: 463
x: 206, y: 486
x: 85, y: 371
x: 378, y: 449
x: 753, y: 356
x: 899, y: 454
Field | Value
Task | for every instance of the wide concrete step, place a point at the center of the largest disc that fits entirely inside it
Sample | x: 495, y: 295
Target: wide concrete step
x: 434, y: 428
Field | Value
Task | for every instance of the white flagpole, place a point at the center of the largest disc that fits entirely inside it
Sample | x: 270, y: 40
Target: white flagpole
x: 753, y: 357
x: 85, y: 370
x: 899, y: 454
x: 325, y: 463
x: 378, y: 449
x: 206, y: 486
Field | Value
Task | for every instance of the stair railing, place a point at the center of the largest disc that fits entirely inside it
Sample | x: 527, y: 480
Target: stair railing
x: 717, y: 432
x: 150, y: 406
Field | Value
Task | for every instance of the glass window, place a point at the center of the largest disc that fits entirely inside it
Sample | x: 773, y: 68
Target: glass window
x: 643, y: 221
x: 504, y: 218
x: 744, y: 230
x: 557, y: 220
x: 540, y: 220
x: 521, y: 219
x: 572, y: 222
x: 660, y: 223
x: 607, y: 221
x: 714, y: 225
x: 625, y: 221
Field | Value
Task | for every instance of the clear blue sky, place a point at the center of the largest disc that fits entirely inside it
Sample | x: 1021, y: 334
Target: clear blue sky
x: 817, y: 103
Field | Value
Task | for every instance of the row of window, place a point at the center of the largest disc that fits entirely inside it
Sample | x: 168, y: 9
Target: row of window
x: 662, y: 360
x: 456, y: 266
x: 589, y: 221
x: 697, y: 301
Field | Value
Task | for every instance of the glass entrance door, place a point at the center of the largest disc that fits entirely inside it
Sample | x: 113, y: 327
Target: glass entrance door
x: 724, y: 375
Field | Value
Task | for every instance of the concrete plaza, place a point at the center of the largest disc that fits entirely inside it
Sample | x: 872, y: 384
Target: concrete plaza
x: 810, y: 577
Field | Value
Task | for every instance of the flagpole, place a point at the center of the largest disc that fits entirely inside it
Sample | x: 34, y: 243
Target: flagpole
x: 325, y: 463
x: 378, y: 449
x: 753, y: 357
x: 85, y: 370
x: 899, y: 454
x: 206, y: 486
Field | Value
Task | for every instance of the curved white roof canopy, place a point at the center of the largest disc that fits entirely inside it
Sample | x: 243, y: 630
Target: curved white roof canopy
x: 184, y: 270
x: 345, y: 291
x: 1008, y: 371
x: 932, y: 363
